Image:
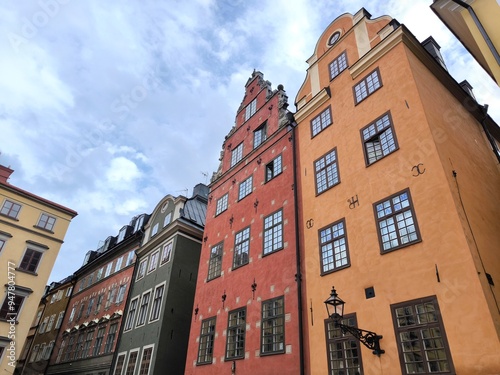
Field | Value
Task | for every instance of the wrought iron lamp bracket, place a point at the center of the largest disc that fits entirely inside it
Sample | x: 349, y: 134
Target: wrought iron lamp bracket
x: 368, y: 338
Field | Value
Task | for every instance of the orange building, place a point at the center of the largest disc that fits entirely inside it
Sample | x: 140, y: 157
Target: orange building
x: 400, y: 206
x: 247, y: 309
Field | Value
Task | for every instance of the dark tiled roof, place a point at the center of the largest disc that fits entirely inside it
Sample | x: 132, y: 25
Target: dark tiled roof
x: 195, y: 210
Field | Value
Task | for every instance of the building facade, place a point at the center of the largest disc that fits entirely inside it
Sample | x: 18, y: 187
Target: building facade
x: 45, y: 328
x: 400, y: 201
x: 32, y: 230
x: 247, y: 315
x: 87, y: 339
x: 475, y: 24
x: 154, y: 337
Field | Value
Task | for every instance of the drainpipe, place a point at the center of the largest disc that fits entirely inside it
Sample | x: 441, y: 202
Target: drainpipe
x: 298, y: 275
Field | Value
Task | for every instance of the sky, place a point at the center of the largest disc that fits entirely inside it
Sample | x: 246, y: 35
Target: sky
x: 106, y: 107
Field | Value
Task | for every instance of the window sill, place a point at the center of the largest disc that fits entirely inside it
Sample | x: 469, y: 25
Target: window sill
x: 25, y: 271
x: 382, y: 252
x: 9, y: 217
x: 42, y: 228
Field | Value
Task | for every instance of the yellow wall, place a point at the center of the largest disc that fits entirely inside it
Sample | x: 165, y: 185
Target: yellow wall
x: 22, y: 230
x: 408, y: 273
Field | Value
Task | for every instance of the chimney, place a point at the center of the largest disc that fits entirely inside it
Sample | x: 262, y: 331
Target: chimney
x: 200, y: 190
x: 467, y: 88
x: 434, y: 49
x: 5, y: 173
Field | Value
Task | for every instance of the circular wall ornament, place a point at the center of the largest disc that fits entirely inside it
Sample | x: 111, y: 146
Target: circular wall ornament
x: 334, y: 38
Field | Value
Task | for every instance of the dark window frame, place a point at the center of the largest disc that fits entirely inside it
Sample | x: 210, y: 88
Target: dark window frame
x: 272, y: 318
x: 319, y: 117
x: 394, y: 215
x: 31, y: 260
x: 326, y: 170
x: 377, y: 134
x: 247, y: 190
x: 438, y: 323
x: 340, y: 62
x: 236, y: 154
x: 332, y: 241
x: 271, y: 229
x: 241, y: 246
x: 206, y: 341
x: 273, y: 168
x: 347, y: 342
x: 364, y: 81
x: 215, y: 261
x: 14, y: 208
x: 224, y: 203
x: 260, y: 135
x: 236, y: 334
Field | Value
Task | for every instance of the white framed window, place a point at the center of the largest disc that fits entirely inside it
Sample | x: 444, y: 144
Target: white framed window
x: 146, y: 358
x: 141, y: 271
x: 157, y: 302
x: 250, y: 109
x: 118, y: 264
x: 34, y: 353
x: 69, y: 291
x: 60, y: 318
x: 221, y: 204
x: 153, y: 261
x: 111, y: 298
x: 143, y: 309
x: 121, y: 234
x: 130, y: 258
x: 99, y: 274
x: 154, y: 230
x: 132, y: 361
x: 72, y: 314
x: 121, y: 294
x: 120, y: 363
x: 132, y: 311
x: 236, y: 154
x: 166, y: 253
x: 138, y: 223
x: 10, y: 209
x: 51, y: 322
x: 108, y: 269
x: 43, y: 326
x: 168, y: 219
x: 46, y: 222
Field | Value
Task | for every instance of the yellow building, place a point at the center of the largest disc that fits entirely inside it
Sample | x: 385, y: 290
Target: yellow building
x: 32, y: 230
x: 475, y: 24
x: 400, y: 204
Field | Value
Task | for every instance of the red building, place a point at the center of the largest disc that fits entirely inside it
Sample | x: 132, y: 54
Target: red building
x: 247, y: 304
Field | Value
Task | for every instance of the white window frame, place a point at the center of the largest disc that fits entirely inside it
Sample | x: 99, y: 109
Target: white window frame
x: 128, y: 327
x: 151, y: 359
x: 137, y: 324
x: 153, y: 261
x: 168, y: 219
x: 108, y: 269
x: 151, y: 320
x: 140, y: 269
x: 165, y: 258
x: 124, y: 354
x: 118, y: 264
x: 138, y: 350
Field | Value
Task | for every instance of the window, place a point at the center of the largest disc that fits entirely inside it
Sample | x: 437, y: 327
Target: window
x: 121, y: 294
x: 82, y: 284
x: 10, y: 209
x: 119, y: 363
x: 50, y: 324
x: 259, y: 135
x: 245, y: 188
x: 110, y: 340
x: 108, y: 269
x: 111, y: 297
x: 90, y: 306
x: 320, y: 122
x: 118, y: 264
x: 397, y: 226
x: 98, y: 341
x: 215, y: 263
x: 334, y: 253
x: 131, y: 314
x: 166, y: 253
x: 11, y: 306
x: 142, y: 269
x: 236, y: 328
x: 121, y: 234
x: 60, y: 318
x: 156, y: 308
x: 69, y: 348
x: 168, y: 219
x: 206, y: 343
x: 153, y: 261
x: 48, y: 351
x: 143, y: 310
x: 147, y: 353
x: 34, y: 353
x: 326, y: 171
x: 138, y: 223
x: 236, y: 154
x: 99, y: 274
x: 221, y: 204
x: 80, y: 312
x: 338, y: 65
x: 241, y: 247
x: 61, y: 351
x: 273, y: 168
x: 367, y: 86
x: 344, y: 354
x: 132, y: 360
x: 130, y: 258
x: 46, y: 222
x: 379, y: 139
x: 422, y: 343
x: 43, y: 326
x: 251, y: 109
x: 72, y: 315
x: 273, y: 232
x: 79, y: 346
x: 273, y: 326
x: 98, y: 305
x: 87, y: 345
x: 30, y: 260
x: 155, y: 229
x: 68, y: 291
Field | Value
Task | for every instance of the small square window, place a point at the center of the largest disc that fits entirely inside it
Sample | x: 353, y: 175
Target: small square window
x: 326, y: 171
x: 10, y: 209
x: 259, y: 135
x: 46, y: 222
x: 251, y: 109
x: 221, y: 204
x: 236, y: 154
x: 273, y: 168
x: 338, y: 65
x: 396, y: 221
x: 320, y: 122
x: 245, y: 188
x: 379, y: 139
x: 367, y: 86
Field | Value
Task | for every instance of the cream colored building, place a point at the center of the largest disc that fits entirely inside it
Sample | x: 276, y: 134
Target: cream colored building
x: 475, y: 24
x: 32, y: 230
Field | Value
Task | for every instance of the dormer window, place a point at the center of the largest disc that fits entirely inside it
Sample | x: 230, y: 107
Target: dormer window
x: 251, y: 109
x: 167, y: 220
x: 121, y: 235
x: 138, y: 223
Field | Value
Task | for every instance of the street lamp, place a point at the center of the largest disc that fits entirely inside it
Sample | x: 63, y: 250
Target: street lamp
x: 335, y: 310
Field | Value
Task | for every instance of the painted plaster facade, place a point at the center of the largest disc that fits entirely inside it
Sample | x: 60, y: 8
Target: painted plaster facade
x: 406, y: 223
